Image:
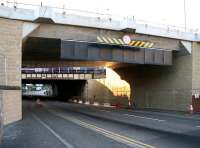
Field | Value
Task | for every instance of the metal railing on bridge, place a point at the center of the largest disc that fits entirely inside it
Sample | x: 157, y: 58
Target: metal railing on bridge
x: 82, y: 73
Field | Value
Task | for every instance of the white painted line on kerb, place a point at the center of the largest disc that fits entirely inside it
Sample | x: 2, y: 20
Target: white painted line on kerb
x: 63, y: 141
x: 144, y: 117
x: 104, y: 110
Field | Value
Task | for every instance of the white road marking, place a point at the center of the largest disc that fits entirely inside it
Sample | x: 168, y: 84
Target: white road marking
x: 104, y: 110
x: 144, y: 117
x: 106, y: 105
x: 136, y: 116
x: 63, y: 141
x: 120, y: 138
x: 198, y: 126
x: 96, y: 104
x: 87, y: 102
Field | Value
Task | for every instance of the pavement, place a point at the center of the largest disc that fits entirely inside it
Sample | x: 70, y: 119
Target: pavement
x: 68, y: 125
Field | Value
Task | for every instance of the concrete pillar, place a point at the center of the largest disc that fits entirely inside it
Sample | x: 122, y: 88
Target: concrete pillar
x: 195, y: 68
x: 10, y: 80
x: 161, y: 87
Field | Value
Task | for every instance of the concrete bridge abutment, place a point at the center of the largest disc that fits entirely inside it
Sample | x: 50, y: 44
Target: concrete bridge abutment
x: 10, y: 69
x: 162, y: 87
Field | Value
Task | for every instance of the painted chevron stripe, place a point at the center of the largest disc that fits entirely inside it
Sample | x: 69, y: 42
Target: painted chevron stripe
x: 109, y: 40
x: 141, y: 44
x: 116, y: 41
x: 151, y: 45
x: 99, y: 39
x: 121, y: 41
x: 137, y: 43
x: 105, y: 40
x: 146, y: 44
x: 132, y: 43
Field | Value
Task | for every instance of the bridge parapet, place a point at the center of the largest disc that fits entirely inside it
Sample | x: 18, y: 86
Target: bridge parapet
x: 47, y: 14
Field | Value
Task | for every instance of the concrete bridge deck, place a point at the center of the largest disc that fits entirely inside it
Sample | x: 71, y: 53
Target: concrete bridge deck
x: 39, y: 13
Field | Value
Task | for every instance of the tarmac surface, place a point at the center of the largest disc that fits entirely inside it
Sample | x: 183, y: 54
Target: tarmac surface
x: 67, y: 125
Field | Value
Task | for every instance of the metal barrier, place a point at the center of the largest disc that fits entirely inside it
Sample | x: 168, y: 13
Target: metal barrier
x: 64, y: 70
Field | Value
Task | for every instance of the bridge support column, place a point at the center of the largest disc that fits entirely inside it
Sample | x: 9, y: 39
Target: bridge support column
x: 10, y: 69
x: 161, y: 87
x: 195, y: 68
x: 196, y: 76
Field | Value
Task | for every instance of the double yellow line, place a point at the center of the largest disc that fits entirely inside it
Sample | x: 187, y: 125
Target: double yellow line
x: 109, y: 134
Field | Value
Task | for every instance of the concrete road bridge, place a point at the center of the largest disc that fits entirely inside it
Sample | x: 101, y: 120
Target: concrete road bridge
x: 161, y: 65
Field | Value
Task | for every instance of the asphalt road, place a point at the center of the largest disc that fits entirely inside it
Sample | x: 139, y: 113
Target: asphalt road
x: 64, y: 125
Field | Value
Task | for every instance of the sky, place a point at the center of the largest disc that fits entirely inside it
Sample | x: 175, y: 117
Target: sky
x: 168, y: 12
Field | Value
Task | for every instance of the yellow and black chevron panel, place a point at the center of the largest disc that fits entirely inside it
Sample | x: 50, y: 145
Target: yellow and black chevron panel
x: 109, y: 40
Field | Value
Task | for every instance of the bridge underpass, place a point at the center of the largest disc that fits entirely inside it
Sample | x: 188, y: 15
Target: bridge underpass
x: 153, y: 73
x: 137, y: 65
x: 85, y: 84
x: 62, y: 90
x: 160, y: 68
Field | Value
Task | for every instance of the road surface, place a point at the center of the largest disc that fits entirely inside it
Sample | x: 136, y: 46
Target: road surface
x: 67, y: 125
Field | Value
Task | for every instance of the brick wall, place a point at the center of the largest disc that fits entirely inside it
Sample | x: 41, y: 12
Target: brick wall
x: 10, y: 46
x: 10, y: 82
x: 12, y: 103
